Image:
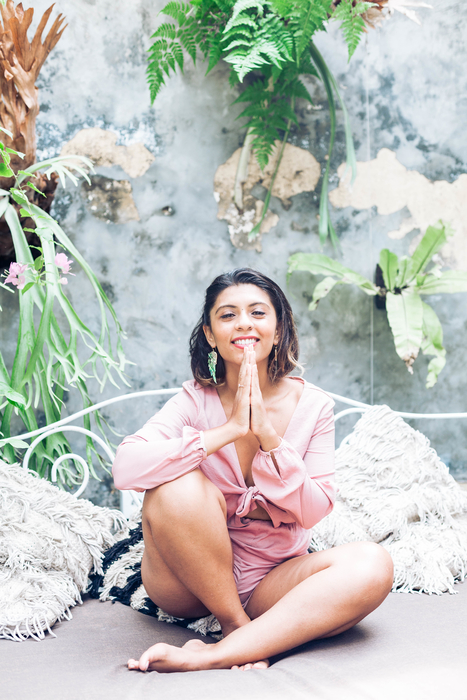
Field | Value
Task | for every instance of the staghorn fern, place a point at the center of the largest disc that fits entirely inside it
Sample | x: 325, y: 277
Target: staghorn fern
x: 272, y: 42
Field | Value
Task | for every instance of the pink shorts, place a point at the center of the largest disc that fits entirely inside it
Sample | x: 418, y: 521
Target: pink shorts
x: 258, y: 547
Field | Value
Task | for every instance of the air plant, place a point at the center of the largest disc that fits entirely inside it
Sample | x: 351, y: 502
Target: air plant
x: 404, y: 281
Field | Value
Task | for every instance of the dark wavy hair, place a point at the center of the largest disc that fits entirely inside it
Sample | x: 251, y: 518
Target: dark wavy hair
x: 287, y: 347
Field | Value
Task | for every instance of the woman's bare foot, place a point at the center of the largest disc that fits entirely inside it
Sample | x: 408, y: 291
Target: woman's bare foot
x: 257, y: 664
x: 195, y: 655
x: 165, y: 658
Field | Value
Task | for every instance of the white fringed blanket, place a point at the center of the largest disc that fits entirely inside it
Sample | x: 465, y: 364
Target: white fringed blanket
x: 394, y: 489
x: 49, y: 544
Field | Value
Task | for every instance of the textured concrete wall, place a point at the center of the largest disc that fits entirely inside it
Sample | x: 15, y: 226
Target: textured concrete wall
x: 405, y: 90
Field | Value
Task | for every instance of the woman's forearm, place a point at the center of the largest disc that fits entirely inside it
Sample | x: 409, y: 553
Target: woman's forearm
x: 216, y: 438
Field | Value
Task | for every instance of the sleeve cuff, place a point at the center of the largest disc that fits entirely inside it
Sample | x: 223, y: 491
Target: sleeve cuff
x: 201, y: 440
x: 274, y: 449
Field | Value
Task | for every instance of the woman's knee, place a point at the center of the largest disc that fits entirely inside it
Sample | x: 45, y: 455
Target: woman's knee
x: 372, y: 567
x: 190, y: 493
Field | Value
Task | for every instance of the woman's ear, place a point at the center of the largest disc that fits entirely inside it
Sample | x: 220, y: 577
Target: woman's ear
x: 209, y: 336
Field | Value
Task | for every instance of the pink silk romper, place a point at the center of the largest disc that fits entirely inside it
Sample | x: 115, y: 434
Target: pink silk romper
x: 293, y: 483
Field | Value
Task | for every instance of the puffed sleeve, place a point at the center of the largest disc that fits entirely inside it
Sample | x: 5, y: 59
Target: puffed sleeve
x: 299, y: 487
x: 167, y: 447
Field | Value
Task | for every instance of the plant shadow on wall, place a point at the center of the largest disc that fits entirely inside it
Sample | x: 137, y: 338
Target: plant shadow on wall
x: 399, y: 287
x: 270, y: 47
x: 55, y: 351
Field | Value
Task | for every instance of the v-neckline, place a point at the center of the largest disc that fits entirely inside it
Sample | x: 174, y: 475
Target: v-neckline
x: 232, y: 444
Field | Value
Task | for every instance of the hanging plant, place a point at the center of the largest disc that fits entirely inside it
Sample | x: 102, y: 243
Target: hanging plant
x: 271, y: 43
x: 404, y: 281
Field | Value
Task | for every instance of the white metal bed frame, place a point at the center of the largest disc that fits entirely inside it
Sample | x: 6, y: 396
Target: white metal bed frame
x: 130, y: 499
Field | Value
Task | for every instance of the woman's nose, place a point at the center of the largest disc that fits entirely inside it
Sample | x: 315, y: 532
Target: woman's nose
x: 243, y: 320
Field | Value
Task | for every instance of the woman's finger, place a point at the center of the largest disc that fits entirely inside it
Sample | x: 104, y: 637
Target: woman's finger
x: 243, y: 365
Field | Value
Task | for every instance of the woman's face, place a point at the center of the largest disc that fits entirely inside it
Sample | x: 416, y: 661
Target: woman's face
x: 242, y: 315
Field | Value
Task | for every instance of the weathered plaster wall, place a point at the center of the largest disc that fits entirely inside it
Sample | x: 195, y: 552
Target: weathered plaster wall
x: 405, y: 90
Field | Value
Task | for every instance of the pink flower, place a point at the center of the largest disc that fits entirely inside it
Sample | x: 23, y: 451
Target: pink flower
x: 17, y: 268
x: 15, y: 275
x: 63, y: 263
x: 20, y: 282
x: 63, y: 280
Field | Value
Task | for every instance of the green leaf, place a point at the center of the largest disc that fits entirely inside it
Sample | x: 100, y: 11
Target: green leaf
x: 319, y: 264
x: 389, y: 264
x: 405, y: 316
x: 321, y: 290
x: 27, y: 287
x: 13, y: 397
x: 5, y: 170
x: 449, y: 282
x: 38, y: 263
x: 405, y: 272
x: 432, y: 344
x: 14, y: 442
x: 434, y: 239
x: 33, y: 187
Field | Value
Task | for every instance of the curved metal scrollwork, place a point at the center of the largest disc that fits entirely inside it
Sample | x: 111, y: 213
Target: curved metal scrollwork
x: 129, y: 498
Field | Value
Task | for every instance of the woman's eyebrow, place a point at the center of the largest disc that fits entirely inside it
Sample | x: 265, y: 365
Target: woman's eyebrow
x: 234, y: 306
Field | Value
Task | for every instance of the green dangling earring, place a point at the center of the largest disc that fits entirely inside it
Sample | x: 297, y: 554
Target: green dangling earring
x: 212, y: 362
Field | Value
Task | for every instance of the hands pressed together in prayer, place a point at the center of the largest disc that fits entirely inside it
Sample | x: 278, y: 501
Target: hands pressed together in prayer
x: 249, y: 411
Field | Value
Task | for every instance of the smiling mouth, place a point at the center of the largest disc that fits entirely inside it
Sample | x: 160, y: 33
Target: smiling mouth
x: 242, y: 342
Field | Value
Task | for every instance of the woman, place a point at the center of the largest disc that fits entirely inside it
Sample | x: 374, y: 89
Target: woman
x: 236, y: 469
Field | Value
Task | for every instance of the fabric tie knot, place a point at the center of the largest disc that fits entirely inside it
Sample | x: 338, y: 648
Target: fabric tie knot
x: 246, y: 502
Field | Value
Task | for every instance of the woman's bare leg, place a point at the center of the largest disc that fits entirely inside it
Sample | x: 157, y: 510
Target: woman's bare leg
x: 309, y: 597
x: 187, y: 564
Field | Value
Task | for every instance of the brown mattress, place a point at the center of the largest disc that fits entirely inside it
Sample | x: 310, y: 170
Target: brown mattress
x: 413, y: 647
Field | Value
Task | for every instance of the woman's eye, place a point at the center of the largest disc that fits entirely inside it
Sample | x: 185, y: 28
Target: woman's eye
x: 259, y: 313
x: 227, y: 316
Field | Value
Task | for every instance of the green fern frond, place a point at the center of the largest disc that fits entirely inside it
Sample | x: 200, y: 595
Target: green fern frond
x: 244, y: 5
x: 215, y: 53
x: 178, y: 10
x: 269, y: 43
x: 166, y: 31
x: 283, y: 8
x: 233, y: 79
x: 242, y: 20
x: 353, y: 26
x: 295, y: 88
x: 310, y: 20
x: 178, y: 54
x: 188, y: 42
x: 225, y: 5
x: 256, y: 92
x: 306, y: 66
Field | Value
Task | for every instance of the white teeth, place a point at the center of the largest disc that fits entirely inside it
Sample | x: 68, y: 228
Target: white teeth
x: 247, y: 341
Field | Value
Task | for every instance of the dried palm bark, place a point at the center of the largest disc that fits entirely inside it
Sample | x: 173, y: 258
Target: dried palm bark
x: 383, y: 9
x: 20, y: 63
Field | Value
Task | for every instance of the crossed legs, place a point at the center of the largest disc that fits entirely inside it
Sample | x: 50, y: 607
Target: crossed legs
x: 187, y: 571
